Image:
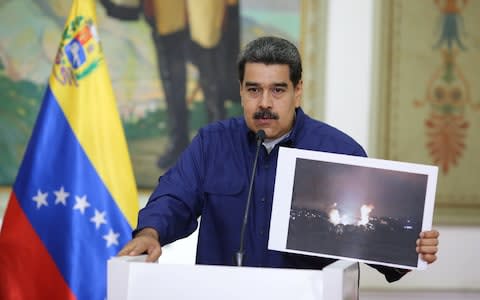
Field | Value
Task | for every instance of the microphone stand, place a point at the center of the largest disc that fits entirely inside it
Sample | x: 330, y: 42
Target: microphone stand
x: 260, y: 136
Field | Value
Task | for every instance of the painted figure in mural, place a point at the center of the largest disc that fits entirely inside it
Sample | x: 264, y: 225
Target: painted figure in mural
x: 206, y: 32
x: 451, y: 22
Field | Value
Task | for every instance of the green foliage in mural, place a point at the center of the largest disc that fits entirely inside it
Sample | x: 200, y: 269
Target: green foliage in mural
x: 19, y: 105
x: 151, y: 125
x: 154, y: 123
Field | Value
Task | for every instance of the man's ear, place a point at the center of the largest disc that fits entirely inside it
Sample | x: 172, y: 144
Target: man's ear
x: 241, y: 92
x: 298, y: 93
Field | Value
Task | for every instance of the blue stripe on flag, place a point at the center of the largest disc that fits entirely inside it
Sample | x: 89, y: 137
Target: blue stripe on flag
x: 54, y: 160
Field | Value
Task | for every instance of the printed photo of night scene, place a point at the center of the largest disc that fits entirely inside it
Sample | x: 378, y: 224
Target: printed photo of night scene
x: 356, y: 212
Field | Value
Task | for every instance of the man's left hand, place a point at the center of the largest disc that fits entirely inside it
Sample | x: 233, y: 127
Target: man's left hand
x: 427, y: 245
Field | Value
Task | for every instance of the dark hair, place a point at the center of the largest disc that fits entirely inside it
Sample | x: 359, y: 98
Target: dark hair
x: 271, y: 50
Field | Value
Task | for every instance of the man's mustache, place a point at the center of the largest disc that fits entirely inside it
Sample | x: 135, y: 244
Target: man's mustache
x: 265, y: 114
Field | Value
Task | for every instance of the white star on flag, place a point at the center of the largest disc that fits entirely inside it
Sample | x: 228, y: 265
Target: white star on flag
x: 61, y: 196
x: 99, y: 218
x: 40, y: 199
x: 81, y: 203
x: 111, y: 238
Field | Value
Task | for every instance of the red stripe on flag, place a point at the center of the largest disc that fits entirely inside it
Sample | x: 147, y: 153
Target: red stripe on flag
x: 27, y: 271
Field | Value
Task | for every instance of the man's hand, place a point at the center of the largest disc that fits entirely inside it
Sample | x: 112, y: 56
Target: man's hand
x: 427, y: 245
x: 145, y: 241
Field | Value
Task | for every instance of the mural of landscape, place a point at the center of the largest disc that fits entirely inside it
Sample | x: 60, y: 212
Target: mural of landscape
x: 30, y: 34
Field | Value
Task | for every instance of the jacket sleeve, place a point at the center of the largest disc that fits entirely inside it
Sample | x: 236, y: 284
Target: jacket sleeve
x: 176, y: 203
x: 391, y: 274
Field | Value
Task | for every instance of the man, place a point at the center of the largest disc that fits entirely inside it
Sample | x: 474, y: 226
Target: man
x: 211, y: 178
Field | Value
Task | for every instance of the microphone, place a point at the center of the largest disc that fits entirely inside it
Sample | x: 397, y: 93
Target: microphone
x: 260, y: 136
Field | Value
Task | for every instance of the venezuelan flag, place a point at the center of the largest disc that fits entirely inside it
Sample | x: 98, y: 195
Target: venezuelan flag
x: 74, y: 201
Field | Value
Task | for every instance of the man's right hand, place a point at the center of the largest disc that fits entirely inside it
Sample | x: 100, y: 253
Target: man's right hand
x: 146, y: 241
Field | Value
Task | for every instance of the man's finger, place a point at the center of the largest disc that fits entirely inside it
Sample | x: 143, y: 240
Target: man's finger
x: 126, y: 250
x: 430, y: 234
x: 427, y: 249
x: 133, y: 248
x: 429, y: 258
x: 153, y: 254
x: 427, y: 242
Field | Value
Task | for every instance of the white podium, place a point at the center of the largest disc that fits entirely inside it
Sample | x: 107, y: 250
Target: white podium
x: 130, y: 278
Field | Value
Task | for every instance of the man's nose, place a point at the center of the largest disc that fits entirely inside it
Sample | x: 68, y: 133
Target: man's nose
x: 266, y: 100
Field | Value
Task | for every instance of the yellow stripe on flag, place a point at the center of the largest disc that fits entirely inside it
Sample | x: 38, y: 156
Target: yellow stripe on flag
x: 85, y: 95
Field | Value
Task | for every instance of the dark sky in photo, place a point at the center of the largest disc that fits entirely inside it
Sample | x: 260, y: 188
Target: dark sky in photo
x: 319, y: 185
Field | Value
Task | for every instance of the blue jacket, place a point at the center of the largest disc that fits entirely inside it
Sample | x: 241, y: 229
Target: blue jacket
x: 211, y: 180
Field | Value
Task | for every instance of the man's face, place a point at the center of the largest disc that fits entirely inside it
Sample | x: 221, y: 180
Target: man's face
x: 269, y: 98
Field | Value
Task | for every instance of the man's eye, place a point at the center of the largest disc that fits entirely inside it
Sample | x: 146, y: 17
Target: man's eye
x: 253, y: 90
x: 277, y: 91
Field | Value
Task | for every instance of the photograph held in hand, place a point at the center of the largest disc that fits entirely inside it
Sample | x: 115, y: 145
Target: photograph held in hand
x: 355, y: 208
